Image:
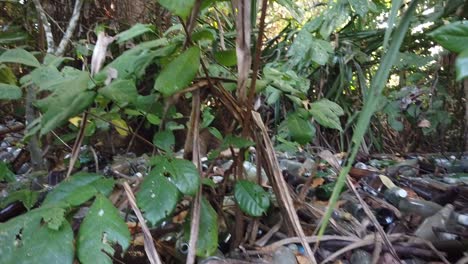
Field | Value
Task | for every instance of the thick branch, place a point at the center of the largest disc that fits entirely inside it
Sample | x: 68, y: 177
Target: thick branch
x: 71, y: 28
x: 46, y: 25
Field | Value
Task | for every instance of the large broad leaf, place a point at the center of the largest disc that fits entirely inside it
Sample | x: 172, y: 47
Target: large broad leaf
x: 67, y: 101
x: 251, y: 198
x: 207, y: 242
x: 461, y: 65
x: 179, y: 73
x: 132, y: 63
x: 327, y: 113
x: 157, y: 197
x: 181, y: 8
x: 135, y: 31
x: 453, y: 36
x: 20, y: 56
x: 182, y: 173
x: 79, y: 188
x: 101, y: 228
x: 120, y: 91
x: 9, y: 92
x: 48, y: 78
x: 300, y: 129
x: 39, y: 236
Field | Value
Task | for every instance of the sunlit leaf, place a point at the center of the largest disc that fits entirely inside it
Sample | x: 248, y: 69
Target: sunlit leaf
x: 300, y: 129
x: 453, y: 36
x: 461, y: 65
x: 135, y: 31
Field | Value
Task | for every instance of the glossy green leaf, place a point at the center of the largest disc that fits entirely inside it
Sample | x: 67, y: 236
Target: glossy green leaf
x: 26, y: 239
x: 135, y: 31
x: 181, y: 8
x: 157, y: 197
x: 5, y: 173
x: 101, y: 228
x: 453, y: 36
x: 300, y: 129
x: 251, y: 198
x: 327, y: 113
x: 179, y: 73
x: 227, y: 58
x: 120, y: 91
x: 164, y: 140
x: 20, y: 56
x: 207, y: 242
x: 27, y: 197
x: 79, y: 188
x: 461, y: 65
x: 182, y: 173
x: 10, y: 92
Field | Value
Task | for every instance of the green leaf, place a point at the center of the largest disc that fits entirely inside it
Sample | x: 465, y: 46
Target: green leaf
x: 207, y: 242
x: 237, y: 142
x: 20, y: 56
x: 68, y: 100
x: 79, y: 188
x: 300, y: 130
x: 101, y: 228
x: 157, y: 197
x: 251, y: 198
x: 461, y: 65
x: 27, y: 197
x: 135, y: 31
x: 227, y: 58
x: 10, y: 92
x: 133, y: 63
x: 453, y: 36
x: 182, y: 173
x: 164, y: 140
x: 54, y: 217
x: 5, y: 173
x: 327, y: 113
x: 179, y: 73
x: 120, y: 91
x: 6, y: 75
x: 181, y: 8
x: 25, y: 239
x: 49, y: 78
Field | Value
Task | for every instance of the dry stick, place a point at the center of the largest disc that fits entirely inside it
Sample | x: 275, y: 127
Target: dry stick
x: 309, y: 181
x: 281, y: 186
x: 76, y: 146
x: 328, y: 156
x: 377, y: 249
x: 309, y: 239
x: 148, y: 239
x: 262, y: 241
x: 195, y: 223
x: 369, y: 240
